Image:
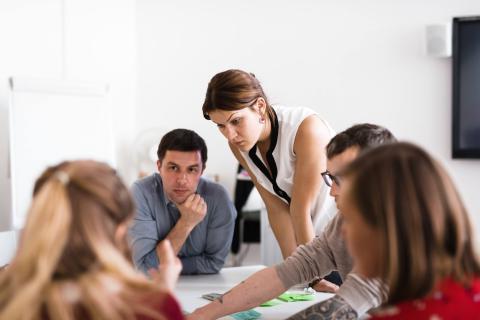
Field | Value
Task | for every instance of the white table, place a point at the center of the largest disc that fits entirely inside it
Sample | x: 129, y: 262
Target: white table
x: 190, y: 289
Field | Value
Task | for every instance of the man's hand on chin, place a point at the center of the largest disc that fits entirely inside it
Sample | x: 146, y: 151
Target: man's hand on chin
x: 192, y: 210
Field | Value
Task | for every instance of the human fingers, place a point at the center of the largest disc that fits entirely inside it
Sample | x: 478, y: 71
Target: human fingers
x: 166, y: 253
x: 325, y: 286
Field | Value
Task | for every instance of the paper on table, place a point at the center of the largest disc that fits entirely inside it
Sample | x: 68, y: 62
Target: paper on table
x: 246, y: 315
x: 292, y: 297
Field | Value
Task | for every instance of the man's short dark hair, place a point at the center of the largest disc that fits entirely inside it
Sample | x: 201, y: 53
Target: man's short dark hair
x: 182, y: 140
x: 363, y: 136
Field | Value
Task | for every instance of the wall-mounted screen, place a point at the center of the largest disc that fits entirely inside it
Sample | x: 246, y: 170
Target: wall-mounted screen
x: 466, y: 88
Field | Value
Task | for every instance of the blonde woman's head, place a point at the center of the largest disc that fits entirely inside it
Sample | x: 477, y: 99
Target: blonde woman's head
x: 94, y: 205
x: 73, y: 259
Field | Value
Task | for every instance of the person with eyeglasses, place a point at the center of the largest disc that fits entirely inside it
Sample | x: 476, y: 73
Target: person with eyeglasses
x: 283, y: 150
x: 321, y: 256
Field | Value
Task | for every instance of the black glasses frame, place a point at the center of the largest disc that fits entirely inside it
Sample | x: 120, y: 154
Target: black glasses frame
x: 330, y: 178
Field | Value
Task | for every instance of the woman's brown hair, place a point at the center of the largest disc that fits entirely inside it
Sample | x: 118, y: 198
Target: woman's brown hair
x: 233, y: 90
x: 71, y: 263
x: 425, y: 230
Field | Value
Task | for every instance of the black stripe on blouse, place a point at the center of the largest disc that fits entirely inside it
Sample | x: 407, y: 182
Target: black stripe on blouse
x: 270, y: 160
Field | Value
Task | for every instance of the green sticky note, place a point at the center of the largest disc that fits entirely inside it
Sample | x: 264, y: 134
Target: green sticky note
x: 292, y: 297
x: 246, y: 315
x: 270, y: 303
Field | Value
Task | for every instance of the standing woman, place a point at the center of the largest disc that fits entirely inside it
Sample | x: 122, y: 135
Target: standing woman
x: 282, y: 148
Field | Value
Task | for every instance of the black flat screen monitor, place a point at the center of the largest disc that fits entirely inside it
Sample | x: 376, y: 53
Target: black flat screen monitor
x: 466, y: 88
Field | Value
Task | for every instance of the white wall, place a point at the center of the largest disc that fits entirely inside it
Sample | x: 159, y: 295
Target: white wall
x: 353, y: 61
x: 88, y: 40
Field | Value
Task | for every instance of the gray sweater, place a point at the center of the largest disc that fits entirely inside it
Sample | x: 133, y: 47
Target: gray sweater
x: 324, y: 254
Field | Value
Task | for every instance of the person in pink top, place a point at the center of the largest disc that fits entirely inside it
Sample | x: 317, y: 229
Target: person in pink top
x: 405, y: 223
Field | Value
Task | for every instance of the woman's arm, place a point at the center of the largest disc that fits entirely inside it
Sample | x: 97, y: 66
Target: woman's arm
x: 309, y: 147
x: 278, y: 212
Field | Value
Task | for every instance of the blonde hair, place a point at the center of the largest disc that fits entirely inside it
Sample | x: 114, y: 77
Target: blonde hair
x: 69, y: 263
x: 425, y: 230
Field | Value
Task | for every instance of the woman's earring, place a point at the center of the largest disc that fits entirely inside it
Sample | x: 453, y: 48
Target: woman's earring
x: 261, y: 120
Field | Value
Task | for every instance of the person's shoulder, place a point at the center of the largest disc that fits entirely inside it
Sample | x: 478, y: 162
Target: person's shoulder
x: 333, y: 230
x: 293, y: 117
x: 207, y: 187
x: 215, y: 195
x: 312, y: 125
x: 147, y: 182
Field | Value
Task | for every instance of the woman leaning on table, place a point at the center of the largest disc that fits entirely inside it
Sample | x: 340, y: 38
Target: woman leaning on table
x: 282, y: 148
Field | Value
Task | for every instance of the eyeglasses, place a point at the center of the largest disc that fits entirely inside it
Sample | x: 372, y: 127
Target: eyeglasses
x: 330, y: 179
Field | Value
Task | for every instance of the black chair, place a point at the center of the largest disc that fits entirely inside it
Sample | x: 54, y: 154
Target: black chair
x: 247, y: 223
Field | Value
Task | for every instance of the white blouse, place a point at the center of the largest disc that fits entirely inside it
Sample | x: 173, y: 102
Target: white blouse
x: 281, y: 159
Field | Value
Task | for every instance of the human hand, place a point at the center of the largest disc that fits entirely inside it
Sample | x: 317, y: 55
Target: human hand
x: 325, y: 286
x: 192, y: 210
x: 166, y: 275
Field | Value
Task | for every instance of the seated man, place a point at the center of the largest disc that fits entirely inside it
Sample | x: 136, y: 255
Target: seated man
x: 322, y: 255
x: 177, y: 204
